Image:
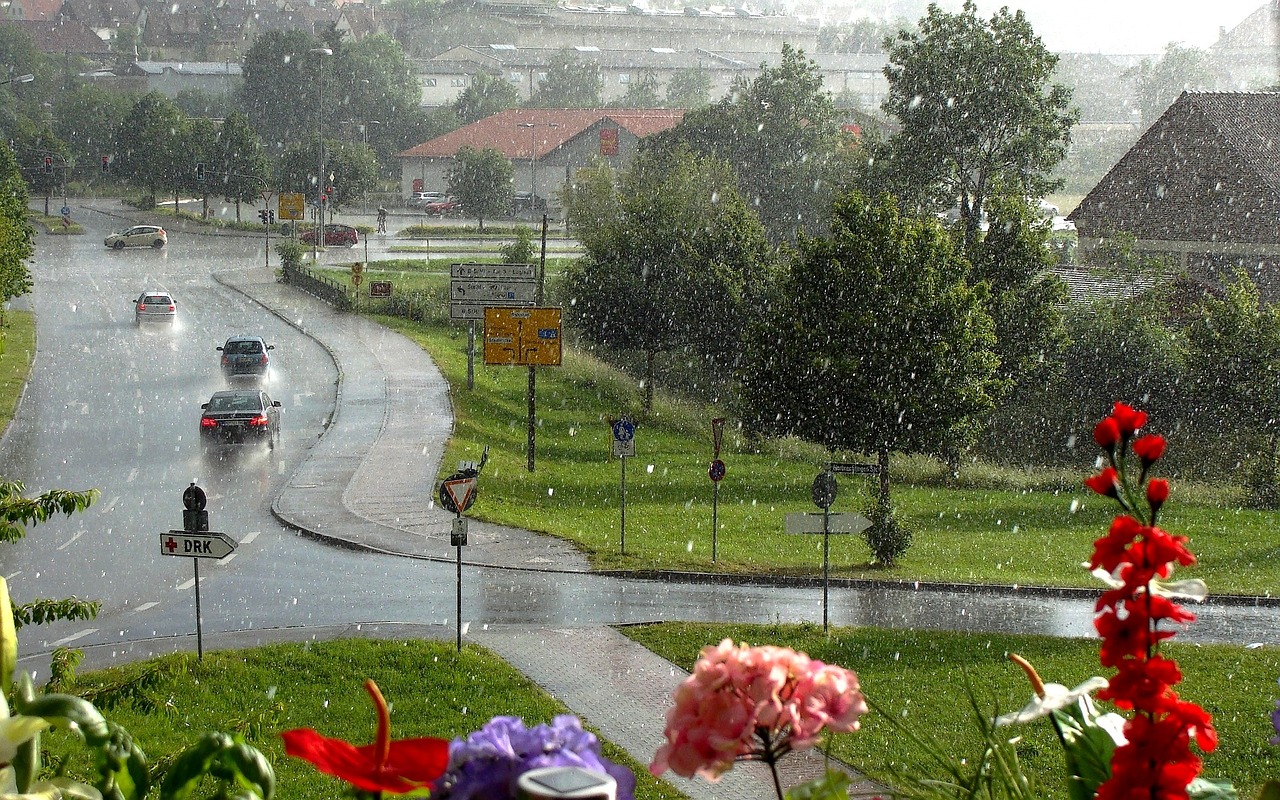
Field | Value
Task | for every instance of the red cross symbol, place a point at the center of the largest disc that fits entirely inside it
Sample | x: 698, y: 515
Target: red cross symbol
x: 170, y: 544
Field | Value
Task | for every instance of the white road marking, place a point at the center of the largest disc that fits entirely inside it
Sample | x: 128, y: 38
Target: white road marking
x: 222, y: 562
x: 69, y: 542
x: 144, y: 607
x: 249, y: 537
x: 73, y: 637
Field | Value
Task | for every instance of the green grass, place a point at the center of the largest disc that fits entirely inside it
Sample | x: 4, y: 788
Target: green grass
x: 17, y: 352
x: 994, y: 527
x: 432, y: 689
x: 921, y: 676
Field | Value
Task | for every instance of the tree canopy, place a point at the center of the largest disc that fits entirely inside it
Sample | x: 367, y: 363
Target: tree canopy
x: 486, y: 96
x: 481, y: 180
x: 571, y: 82
x: 978, y: 113
x: 1156, y: 84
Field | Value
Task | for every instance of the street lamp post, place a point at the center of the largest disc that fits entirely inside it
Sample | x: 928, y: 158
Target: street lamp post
x: 321, y: 52
x: 533, y: 158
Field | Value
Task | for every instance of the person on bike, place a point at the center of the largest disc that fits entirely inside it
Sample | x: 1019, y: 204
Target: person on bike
x: 382, y: 220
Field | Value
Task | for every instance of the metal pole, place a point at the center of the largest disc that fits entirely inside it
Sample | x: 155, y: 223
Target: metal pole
x: 533, y: 424
x: 195, y: 562
x: 715, y: 509
x: 471, y: 356
x: 826, y: 550
x: 458, y: 622
x: 624, y: 506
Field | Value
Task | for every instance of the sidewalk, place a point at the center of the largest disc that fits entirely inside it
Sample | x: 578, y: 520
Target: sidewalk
x: 369, y: 483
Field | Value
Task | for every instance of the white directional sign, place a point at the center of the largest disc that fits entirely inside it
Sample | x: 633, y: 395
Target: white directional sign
x: 837, y: 523
x: 493, y: 272
x: 196, y: 545
x: 473, y: 287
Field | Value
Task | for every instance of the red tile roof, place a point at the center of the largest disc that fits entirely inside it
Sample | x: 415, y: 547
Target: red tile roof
x: 515, y: 131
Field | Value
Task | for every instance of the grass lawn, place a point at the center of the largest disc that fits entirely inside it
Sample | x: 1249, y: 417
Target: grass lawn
x: 920, y: 677
x: 432, y: 690
x: 17, y: 351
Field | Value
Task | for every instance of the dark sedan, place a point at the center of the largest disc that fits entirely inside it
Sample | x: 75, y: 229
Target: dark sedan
x: 240, y: 416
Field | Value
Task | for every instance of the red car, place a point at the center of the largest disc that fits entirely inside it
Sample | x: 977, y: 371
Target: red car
x: 442, y: 207
x: 335, y: 235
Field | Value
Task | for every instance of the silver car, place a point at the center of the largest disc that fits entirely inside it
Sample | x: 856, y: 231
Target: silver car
x: 137, y: 236
x: 154, y: 307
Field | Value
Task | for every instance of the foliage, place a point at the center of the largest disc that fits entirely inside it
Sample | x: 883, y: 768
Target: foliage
x: 147, y: 148
x: 642, y: 92
x: 592, y: 204
x: 280, y: 91
x: 481, y: 180
x: 485, y: 96
x: 241, y: 168
x: 888, y: 537
x: 995, y: 126
x: 521, y: 250
x: 571, y: 82
x: 874, y: 341
x: 689, y: 87
x: 1156, y: 84
x: 86, y: 117
x: 683, y: 251
x: 779, y: 133
x: 16, y: 234
x: 291, y: 253
x: 375, y: 93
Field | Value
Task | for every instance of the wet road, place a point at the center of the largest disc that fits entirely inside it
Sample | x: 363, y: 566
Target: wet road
x: 114, y: 407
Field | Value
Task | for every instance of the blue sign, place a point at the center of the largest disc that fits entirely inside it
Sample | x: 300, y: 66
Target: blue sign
x: 66, y: 211
x: 624, y: 430
x: 548, y: 333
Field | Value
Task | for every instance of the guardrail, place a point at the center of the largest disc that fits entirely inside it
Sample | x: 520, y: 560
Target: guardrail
x: 327, y: 289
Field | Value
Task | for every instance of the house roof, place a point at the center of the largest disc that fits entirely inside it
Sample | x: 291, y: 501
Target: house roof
x: 518, y: 132
x: 63, y: 36
x: 1208, y: 170
x: 186, y: 67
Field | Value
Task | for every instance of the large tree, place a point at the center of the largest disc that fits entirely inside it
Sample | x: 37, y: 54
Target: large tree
x: 17, y: 237
x: 481, y: 180
x: 376, y: 94
x: 689, y: 88
x: 241, y: 167
x: 780, y: 133
x: 571, y: 82
x: 874, y: 341
x: 486, y: 96
x: 281, y: 87
x: 86, y: 118
x: 673, y: 268
x: 149, y: 147
x: 978, y: 113
x: 1156, y: 84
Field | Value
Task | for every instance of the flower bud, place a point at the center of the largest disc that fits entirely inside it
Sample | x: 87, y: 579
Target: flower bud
x: 1107, y: 434
x: 1128, y: 418
x: 1149, y: 449
x: 1157, y: 492
x: 1105, y: 483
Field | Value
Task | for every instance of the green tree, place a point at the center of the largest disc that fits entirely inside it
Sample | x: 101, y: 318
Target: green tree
x: 481, y: 180
x: 354, y: 168
x: 642, y: 92
x: 86, y: 117
x: 375, y: 93
x: 672, y: 270
x: 485, y: 96
x: 148, y: 147
x: 780, y: 134
x: 1156, y: 84
x: 571, y: 82
x: 241, y: 166
x: 978, y: 113
x: 18, y: 512
x: 197, y: 103
x: 689, y: 88
x: 280, y: 91
x: 592, y: 204
x: 875, y: 341
x: 17, y: 237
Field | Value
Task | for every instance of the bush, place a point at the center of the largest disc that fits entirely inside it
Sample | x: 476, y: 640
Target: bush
x: 521, y: 250
x: 887, y: 536
x: 290, y: 253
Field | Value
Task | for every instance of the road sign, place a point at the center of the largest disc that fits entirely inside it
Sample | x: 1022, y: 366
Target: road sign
x: 66, y: 211
x: 356, y: 279
x: 837, y: 523
x: 854, y: 469
x: 522, y: 336
x: 357, y: 268
x: 196, y: 545
x: 491, y: 292
x: 824, y: 490
x: 379, y: 288
x: 624, y: 449
x: 494, y: 272
x: 717, y: 470
x: 291, y: 206
x: 624, y: 430
x: 458, y: 494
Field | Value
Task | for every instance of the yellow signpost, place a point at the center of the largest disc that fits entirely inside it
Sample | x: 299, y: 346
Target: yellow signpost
x: 523, y: 337
x: 291, y: 206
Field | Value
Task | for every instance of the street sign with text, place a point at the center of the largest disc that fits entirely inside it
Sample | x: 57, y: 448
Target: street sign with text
x: 196, y: 545
x: 522, y: 336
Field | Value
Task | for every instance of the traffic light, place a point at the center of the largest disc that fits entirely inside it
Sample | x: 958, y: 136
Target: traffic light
x: 199, y: 170
x: 263, y: 215
x: 106, y: 163
x: 48, y: 164
x: 271, y: 217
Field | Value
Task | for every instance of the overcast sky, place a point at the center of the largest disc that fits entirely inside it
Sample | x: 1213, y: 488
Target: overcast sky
x: 1124, y: 26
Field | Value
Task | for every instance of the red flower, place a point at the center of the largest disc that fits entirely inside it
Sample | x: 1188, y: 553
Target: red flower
x: 1107, y: 434
x: 1105, y: 483
x: 1157, y: 492
x: 384, y: 766
x: 1128, y: 419
x: 1149, y: 449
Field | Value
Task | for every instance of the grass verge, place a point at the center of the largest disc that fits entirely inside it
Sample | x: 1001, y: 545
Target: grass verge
x: 432, y: 689
x: 926, y: 677
x: 17, y: 352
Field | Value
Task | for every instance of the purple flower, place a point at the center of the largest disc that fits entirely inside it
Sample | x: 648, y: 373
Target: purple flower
x: 1275, y: 722
x: 486, y: 765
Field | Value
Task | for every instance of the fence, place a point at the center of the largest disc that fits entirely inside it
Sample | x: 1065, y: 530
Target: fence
x: 327, y: 289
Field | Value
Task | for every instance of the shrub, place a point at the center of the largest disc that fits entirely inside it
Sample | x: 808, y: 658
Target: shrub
x: 887, y: 536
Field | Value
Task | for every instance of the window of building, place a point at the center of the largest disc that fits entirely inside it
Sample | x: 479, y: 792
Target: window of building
x: 624, y: 77
x: 429, y: 82
x: 516, y: 77
x: 458, y: 82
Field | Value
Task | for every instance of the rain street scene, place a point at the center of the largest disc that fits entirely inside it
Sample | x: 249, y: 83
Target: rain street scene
x: 536, y: 399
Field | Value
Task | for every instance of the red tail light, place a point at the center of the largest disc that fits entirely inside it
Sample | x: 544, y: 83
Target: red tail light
x: 171, y: 307
x: 264, y: 359
x: 260, y: 421
x: 206, y: 422
x: 143, y: 307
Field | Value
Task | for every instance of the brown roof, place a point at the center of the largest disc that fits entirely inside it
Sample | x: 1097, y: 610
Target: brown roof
x: 1207, y: 171
x: 518, y: 131
x: 66, y: 36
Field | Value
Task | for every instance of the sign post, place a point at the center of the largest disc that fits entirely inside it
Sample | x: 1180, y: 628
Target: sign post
x: 716, y: 472
x: 624, y: 447
x: 195, y: 541
x: 457, y: 493
x: 824, y: 494
x: 475, y: 287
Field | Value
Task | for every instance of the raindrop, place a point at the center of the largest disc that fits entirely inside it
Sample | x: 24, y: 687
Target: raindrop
x: 1075, y: 506
x: 688, y: 546
x: 649, y: 469
x: 271, y: 692
x: 550, y: 491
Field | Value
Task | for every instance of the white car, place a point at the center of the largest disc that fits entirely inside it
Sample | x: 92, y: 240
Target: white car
x: 137, y: 236
x: 154, y: 306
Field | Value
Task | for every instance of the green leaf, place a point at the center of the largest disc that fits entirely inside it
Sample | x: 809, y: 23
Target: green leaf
x: 1206, y: 789
x: 834, y: 785
x: 220, y: 755
x: 1270, y: 791
x: 1087, y: 748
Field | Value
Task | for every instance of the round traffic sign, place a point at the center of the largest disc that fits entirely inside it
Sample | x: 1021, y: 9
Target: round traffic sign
x: 824, y: 490
x: 717, y: 470
x: 193, y: 498
x: 624, y: 430
x: 66, y: 211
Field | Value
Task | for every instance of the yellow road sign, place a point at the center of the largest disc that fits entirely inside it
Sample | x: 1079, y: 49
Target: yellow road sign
x: 522, y: 336
x: 291, y: 206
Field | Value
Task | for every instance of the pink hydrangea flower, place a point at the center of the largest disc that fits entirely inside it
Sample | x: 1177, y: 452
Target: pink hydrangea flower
x: 756, y: 703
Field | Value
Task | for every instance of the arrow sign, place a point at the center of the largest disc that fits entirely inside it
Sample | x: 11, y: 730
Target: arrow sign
x: 196, y: 545
x: 837, y: 523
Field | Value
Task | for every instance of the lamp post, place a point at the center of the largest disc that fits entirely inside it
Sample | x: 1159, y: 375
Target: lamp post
x: 533, y: 158
x: 320, y: 52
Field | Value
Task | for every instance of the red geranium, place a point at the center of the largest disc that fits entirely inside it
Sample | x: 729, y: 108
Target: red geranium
x: 394, y: 767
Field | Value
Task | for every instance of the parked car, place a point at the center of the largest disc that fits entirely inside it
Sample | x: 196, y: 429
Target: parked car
x: 335, y: 235
x: 440, y: 208
x: 238, y: 416
x: 154, y: 306
x: 419, y: 200
x: 527, y: 201
x: 245, y: 356
x: 137, y: 236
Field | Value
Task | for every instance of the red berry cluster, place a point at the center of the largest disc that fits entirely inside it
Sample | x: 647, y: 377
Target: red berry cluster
x: 1157, y: 760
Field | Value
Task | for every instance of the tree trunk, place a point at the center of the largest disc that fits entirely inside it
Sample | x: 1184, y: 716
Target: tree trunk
x: 648, y: 382
x: 237, y: 209
x: 882, y: 460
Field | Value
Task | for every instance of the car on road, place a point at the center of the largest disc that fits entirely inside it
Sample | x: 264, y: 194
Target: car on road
x: 137, y: 236
x: 335, y: 235
x: 240, y: 416
x: 527, y: 201
x: 154, y: 306
x: 419, y: 200
x: 245, y: 356
x: 440, y: 208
